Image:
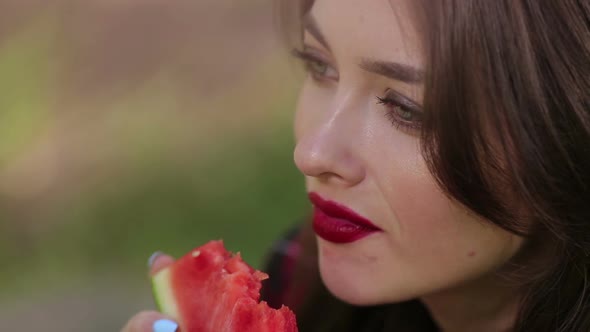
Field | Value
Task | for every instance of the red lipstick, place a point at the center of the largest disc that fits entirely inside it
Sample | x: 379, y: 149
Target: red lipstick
x: 338, y: 224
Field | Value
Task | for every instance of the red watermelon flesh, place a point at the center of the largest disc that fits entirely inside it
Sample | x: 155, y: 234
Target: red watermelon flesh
x: 211, y: 290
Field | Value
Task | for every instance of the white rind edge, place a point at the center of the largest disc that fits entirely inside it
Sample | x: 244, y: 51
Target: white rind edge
x: 163, y: 294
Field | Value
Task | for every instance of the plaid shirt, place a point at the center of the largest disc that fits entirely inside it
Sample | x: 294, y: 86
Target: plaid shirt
x: 280, y: 266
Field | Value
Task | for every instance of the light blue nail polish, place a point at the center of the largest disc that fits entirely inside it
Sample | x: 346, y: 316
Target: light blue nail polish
x: 153, y: 258
x: 165, y: 325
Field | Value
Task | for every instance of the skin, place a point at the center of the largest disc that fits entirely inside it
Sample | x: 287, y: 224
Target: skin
x: 366, y: 156
x: 431, y: 247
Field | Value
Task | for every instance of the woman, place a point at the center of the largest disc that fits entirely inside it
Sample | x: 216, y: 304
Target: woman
x: 446, y: 149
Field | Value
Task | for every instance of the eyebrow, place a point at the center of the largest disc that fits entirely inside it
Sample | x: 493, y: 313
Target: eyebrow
x: 393, y: 70
x: 310, y: 24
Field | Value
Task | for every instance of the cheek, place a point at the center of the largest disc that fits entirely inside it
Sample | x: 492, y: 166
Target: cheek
x: 309, y: 108
x: 402, y: 178
x: 421, y: 209
x: 429, y: 233
x: 426, y: 216
x: 418, y: 209
x: 427, y: 222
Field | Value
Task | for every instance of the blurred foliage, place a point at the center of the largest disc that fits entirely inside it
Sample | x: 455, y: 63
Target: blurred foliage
x: 96, y: 173
x: 25, y: 85
x: 247, y: 195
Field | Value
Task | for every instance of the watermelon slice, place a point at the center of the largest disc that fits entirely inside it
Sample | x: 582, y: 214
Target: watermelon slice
x: 211, y: 290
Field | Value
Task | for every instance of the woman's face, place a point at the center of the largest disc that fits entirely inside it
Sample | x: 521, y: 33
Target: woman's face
x: 357, y: 131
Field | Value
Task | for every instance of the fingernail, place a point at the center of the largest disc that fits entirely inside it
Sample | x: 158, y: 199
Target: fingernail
x: 165, y: 325
x: 153, y: 257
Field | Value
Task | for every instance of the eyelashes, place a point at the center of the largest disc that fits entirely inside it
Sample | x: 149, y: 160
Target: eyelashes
x: 403, y: 113
x: 316, y: 66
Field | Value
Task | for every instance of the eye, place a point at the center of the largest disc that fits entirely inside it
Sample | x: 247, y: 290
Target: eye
x: 403, y: 113
x: 319, y: 69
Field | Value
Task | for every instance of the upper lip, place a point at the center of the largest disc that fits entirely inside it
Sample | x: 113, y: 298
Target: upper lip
x: 340, y: 211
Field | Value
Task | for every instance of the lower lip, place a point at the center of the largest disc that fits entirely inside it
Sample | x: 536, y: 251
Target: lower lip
x: 338, y: 230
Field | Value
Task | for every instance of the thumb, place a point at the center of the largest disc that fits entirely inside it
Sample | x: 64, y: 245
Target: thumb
x: 159, y: 261
x: 150, y: 321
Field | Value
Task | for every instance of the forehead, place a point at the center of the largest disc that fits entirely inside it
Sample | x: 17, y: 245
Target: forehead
x: 376, y: 29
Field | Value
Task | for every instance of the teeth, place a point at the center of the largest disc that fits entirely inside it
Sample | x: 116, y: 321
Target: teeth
x: 196, y: 253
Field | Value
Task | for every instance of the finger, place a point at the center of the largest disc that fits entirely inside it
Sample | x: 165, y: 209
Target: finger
x: 159, y: 261
x: 150, y: 321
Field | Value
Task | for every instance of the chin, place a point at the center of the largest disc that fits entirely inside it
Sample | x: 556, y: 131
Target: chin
x: 358, y: 286
x: 345, y: 291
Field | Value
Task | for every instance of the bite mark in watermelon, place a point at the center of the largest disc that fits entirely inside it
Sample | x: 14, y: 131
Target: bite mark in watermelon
x: 211, y: 290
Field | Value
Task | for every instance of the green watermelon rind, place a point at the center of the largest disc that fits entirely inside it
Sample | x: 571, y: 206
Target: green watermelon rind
x: 163, y: 294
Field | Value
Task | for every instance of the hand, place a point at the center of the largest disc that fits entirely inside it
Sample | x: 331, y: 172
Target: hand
x: 152, y: 321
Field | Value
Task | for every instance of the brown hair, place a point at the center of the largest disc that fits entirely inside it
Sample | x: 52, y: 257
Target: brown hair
x: 506, y: 134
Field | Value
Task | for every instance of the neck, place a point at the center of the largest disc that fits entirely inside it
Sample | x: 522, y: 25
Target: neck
x: 489, y: 304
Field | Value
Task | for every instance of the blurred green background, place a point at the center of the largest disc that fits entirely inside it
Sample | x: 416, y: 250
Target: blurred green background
x: 129, y: 126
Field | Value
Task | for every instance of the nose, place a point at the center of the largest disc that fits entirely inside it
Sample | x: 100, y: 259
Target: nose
x: 329, y: 151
